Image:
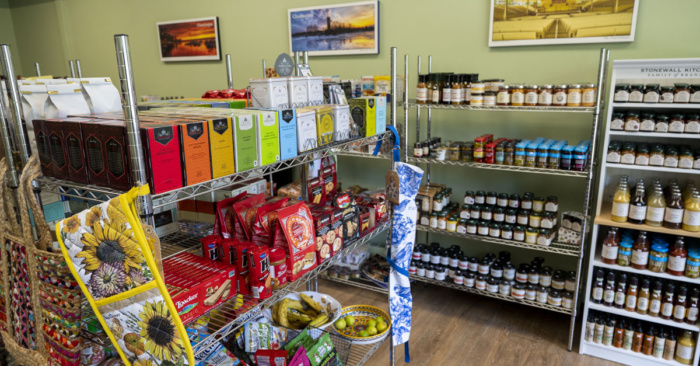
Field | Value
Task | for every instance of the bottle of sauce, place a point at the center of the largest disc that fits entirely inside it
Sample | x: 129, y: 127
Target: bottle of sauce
x: 619, y: 333
x: 609, y: 291
x: 685, y: 349
x: 611, y: 246
x: 659, y: 342
x: 457, y: 96
x: 632, y: 292
x: 608, y: 332
x: 598, y: 287
x: 691, y: 216
x: 640, y: 251
x: 691, y: 316
x: 620, y: 290
x: 434, y: 90
x: 447, y: 90
x: 422, y: 90
x: 679, y: 308
x: 677, y: 257
x: 621, y: 201
x: 590, y: 326
x: 638, y: 338
x: 628, y: 337
x: 648, y: 341
x: 673, y: 217
x: 667, y: 302
x: 670, y: 346
x: 638, y: 206
x: 644, y: 295
x: 598, y: 331
x: 656, y: 207
x: 655, y: 299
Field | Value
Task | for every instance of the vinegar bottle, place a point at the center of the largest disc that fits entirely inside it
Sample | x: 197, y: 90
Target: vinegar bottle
x: 638, y: 206
x: 673, y: 217
x: 691, y: 216
x: 656, y: 206
x: 621, y: 201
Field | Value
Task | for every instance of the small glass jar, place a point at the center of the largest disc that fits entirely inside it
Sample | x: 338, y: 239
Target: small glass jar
x: 521, y: 274
x: 651, y: 93
x: 452, y: 223
x: 483, y: 228
x: 617, y: 123
x: 573, y: 97
x: 472, y: 227
x: 632, y: 121
x: 508, y: 272
x: 440, y: 273
x: 622, y: 93
x: 475, y: 212
x: 477, y: 100
x: 465, y: 213
x: 658, y: 258
x: 418, y: 150
x: 502, y: 200
x: 535, y: 219
x: 681, y: 93
x: 685, y: 158
x: 531, y: 235
x: 462, y: 226
x: 567, y: 300
x: 588, y: 95
x: 442, y: 220
x: 546, y: 95
x: 518, y: 291
x: 517, y: 95
x: 647, y: 122
x: 468, y: 152
x: 624, y: 253
x: 695, y: 93
x: 692, y: 123
x: 570, y: 283
x: 560, y: 95
x: 656, y: 156
x: 478, y: 87
x: 544, y: 237
x: 434, y: 220
x: 636, y: 93
x: 480, y: 283
x: 492, y: 285
x: 614, y: 152
x: 628, y: 153
x: 507, y: 232
x: 430, y: 271
x: 554, y: 298
x: 542, y: 294
x: 455, y: 153
x: 671, y: 157
x: 458, y: 278
x: 523, y: 217
x: 666, y: 94
x: 533, y: 276
x: 504, y: 287
x: 495, y: 230
x: 435, y: 256
x: 514, y: 201
x: 677, y: 123
x: 538, y: 204
x: 490, y: 99
x: 491, y: 198
x: 526, y: 202
x: 531, y: 95
x: 549, y: 220
x: 519, y: 233
x: 469, y: 279
x: 473, y: 265
x: 692, y: 264
x: 499, y: 215
x: 469, y: 198
x: 545, y: 278
x: 551, y: 204
x: 480, y: 198
x: 503, y: 96
x: 530, y: 292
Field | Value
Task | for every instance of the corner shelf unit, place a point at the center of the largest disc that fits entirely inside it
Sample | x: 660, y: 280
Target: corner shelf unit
x: 577, y: 251
x: 633, y: 71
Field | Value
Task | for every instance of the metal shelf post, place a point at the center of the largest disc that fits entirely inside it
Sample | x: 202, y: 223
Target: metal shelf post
x: 71, y: 64
x: 229, y: 72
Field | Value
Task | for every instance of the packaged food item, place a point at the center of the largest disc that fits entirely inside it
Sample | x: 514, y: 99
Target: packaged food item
x: 295, y: 234
x: 226, y: 217
x: 245, y: 213
x: 264, y: 336
x: 260, y: 280
x: 268, y: 357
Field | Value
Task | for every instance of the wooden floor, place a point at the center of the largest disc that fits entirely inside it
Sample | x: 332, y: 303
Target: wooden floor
x: 451, y: 327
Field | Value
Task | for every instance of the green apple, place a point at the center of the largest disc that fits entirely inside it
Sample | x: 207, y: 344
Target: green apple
x: 372, y: 331
x: 372, y: 323
x: 340, y: 324
x: 350, y: 320
x: 380, y: 319
x: 381, y: 327
x: 363, y: 334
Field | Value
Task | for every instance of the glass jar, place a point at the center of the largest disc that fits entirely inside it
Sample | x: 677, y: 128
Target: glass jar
x: 671, y: 157
x: 681, y: 93
x: 434, y: 220
x: 469, y: 198
x: 628, y: 153
x: 518, y: 291
x: 504, y: 287
x: 588, y: 95
x: 417, y: 150
x: 692, y: 264
x: 533, y: 276
x: 468, y: 152
x: 545, y: 96
x: 503, y: 96
x: 636, y: 93
x: 658, y: 258
x: 535, y: 219
x: 526, y: 202
x: 530, y: 292
x: 661, y: 124
x: 480, y: 197
x: 531, y: 235
x: 567, y: 300
x: 544, y: 237
x: 624, y: 253
x: 473, y: 265
x: 545, y: 277
x: 677, y: 123
x: 517, y: 95
x: 465, y: 213
x: 452, y: 223
x: 551, y: 204
x: 499, y: 215
x: 549, y: 220
x: 558, y: 282
x: 519, y: 233
x: 573, y: 97
x: 483, y: 228
x: 642, y: 157
x: 656, y: 156
x: 442, y: 221
x: 507, y: 232
x: 469, y: 279
x: 438, y: 202
x: 495, y: 230
x: 632, y: 121
x: 554, y: 298
x: 491, y: 198
x: 490, y: 99
x: 475, y: 212
x: 617, y: 123
x: 502, y: 200
x: 531, y: 95
x: 514, y: 201
x: 622, y: 94
x: 666, y: 94
x: 614, y: 152
x: 478, y: 87
x: 472, y: 227
x: 440, y: 273
x: 685, y: 158
x: 647, y: 122
x: 695, y: 93
x: 462, y: 226
x: 455, y: 153
x: 570, y: 282
x: 542, y: 294
x: 509, y: 150
x: 523, y: 217
x: 692, y: 123
x: 559, y: 96
x: 477, y: 100
x: 538, y: 204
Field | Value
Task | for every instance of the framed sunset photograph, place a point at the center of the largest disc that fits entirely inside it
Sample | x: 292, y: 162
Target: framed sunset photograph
x: 342, y: 29
x: 189, y: 40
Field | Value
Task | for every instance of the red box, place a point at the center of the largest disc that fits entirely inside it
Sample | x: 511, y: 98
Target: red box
x: 162, y: 152
x: 42, y: 145
x: 93, y: 140
x: 295, y: 234
x: 59, y: 161
x: 75, y: 151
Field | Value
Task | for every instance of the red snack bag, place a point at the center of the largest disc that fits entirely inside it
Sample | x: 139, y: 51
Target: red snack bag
x: 246, y: 212
x: 260, y: 280
x: 295, y: 234
x: 271, y: 357
x: 211, y: 247
x: 210, y: 94
x: 225, y: 217
x: 242, y: 267
x: 262, y: 234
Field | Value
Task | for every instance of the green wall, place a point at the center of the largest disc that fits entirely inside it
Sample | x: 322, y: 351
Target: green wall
x: 7, y: 31
x: 455, y: 32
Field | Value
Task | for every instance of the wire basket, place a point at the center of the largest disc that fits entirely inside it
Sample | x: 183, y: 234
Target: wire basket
x: 342, y: 346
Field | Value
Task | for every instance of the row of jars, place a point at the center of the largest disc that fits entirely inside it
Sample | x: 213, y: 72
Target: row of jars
x: 562, y: 95
x: 520, y: 233
x: 655, y: 93
x: 669, y: 156
x: 527, y: 201
x: 633, y: 121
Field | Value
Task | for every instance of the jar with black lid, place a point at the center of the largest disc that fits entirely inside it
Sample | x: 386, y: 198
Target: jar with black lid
x: 519, y: 233
x: 507, y: 232
x: 545, y: 277
x: 518, y: 291
x: 508, y: 271
x: 497, y: 270
x: 491, y: 198
x: 504, y: 256
x: 647, y: 122
x: 521, y: 274
x: 483, y: 267
x: 636, y: 93
x: 502, y: 200
x: 480, y: 197
x: 526, y: 202
x: 469, y: 279
x: 661, y: 124
x: 570, y: 283
x: 499, y: 215
x: 558, y: 281
x: 622, y: 94
x: 695, y: 93
x: 530, y: 292
x: 504, y: 287
x: 473, y: 265
x: 523, y: 217
x: 617, y: 123
x: 440, y: 273
x: 435, y: 256
x: 533, y: 275
x: 692, y: 123
x: 420, y: 269
x: 542, y: 294
x: 514, y: 201
x: 681, y: 93
x: 495, y: 230
x: 666, y: 94
x: 480, y: 283
x: 430, y: 271
x: 511, y: 216
x: 444, y: 257
x: 554, y: 298
x: 651, y: 93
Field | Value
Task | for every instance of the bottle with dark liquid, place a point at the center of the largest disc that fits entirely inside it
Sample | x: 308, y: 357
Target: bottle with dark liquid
x: 673, y: 216
x: 638, y: 204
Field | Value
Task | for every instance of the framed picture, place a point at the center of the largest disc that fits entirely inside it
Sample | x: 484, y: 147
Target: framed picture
x: 189, y: 39
x: 343, y: 29
x: 544, y: 22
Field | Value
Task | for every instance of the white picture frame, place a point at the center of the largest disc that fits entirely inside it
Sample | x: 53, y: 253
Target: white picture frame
x: 194, y: 45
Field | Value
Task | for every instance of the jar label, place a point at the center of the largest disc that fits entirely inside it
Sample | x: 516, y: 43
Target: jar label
x: 435, y: 98
x: 617, y: 124
x: 609, y: 252
x: 620, y: 209
x: 696, y: 164
x: 685, y: 162
x: 559, y: 98
x: 545, y: 98
x: 671, y: 162
x: 503, y: 98
x: 684, y: 352
x: 483, y: 230
x: 640, y: 258
x: 692, y: 127
x: 681, y: 97
x: 422, y: 94
x: 452, y: 226
x: 667, y: 309
x: 676, y: 126
x: 519, y: 236
x: 691, y: 218
x: 434, y: 222
x: 642, y: 160
x: 464, y: 215
x: 647, y: 125
x: 622, y: 96
x: 695, y: 97
x: 457, y: 95
x: 613, y: 157
x: 503, y: 202
x: 692, y: 314
x: 636, y: 97
x: 638, y: 212
x: 425, y: 221
x: 676, y: 264
x: 627, y: 158
x: 551, y: 207
x: 517, y: 98
x: 461, y: 229
x: 655, y: 214
x: 661, y: 127
x: 588, y: 97
x: 673, y: 215
x: 442, y: 224
x: 469, y: 282
x: 508, y: 235
x: 651, y: 97
x: 468, y: 200
x: 632, y: 125
x: 666, y: 98
x: 656, y: 160
x: 531, y: 98
x: 643, y: 304
x: 631, y: 301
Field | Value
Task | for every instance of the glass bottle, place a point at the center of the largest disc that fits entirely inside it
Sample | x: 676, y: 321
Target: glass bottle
x: 598, y: 330
x: 679, y: 307
x: 632, y: 292
x: 638, y: 204
x: 667, y: 302
x: 648, y: 341
x: 446, y: 93
x: 628, y: 337
x: 638, y: 338
x: 619, y: 333
x: 659, y: 342
x: 611, y: 245
x: 422, y: 90
x: 620, y: 290
x: 608, y: 332
x: 656, y: 207
x: 670, y: 346
x: 609, y: 291
x: 640, y: 251
x: 685, y: 349
x: 621, y: 201
x: 597, y: 295
x: 434, y: 90
x: 655, y: 299
x: 691, y: 215
x: 673, y: 216
x: 691, y: 316
x: 643, y: 297
x: 677, y: 257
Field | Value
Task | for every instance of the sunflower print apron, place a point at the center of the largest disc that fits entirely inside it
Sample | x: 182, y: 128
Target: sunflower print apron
x: 112, y: 261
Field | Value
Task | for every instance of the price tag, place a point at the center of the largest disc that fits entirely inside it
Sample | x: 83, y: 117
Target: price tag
x: 392, y: 187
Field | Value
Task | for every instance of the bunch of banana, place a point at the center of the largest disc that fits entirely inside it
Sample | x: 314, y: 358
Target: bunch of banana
x: 296, y: 314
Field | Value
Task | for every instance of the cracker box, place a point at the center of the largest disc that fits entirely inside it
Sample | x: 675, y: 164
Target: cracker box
x: 363, y: 112
x: 243, y: 267
x: 288, y: 133
x: 380, y: 114
x: 307, y: 139
x: 324, y: 235
x: 295, y: 234
x: 196, y: 155
x: 94, y: 153
x: 341, y: 122
x: 73, y: 138
x: 221, y: 147
x: 246, y: 142
x: 43, y: 149
x: 116, y: 155
x: 268, y: 137
x: 59, y: 162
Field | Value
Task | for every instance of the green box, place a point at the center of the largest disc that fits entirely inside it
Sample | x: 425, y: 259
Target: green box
x: 245, y: 141
x: 268, y: 137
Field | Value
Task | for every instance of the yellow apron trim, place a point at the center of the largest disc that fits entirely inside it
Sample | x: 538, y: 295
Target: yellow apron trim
x: 132, y: 216
x: 126, y: 294
x: 88, y: 296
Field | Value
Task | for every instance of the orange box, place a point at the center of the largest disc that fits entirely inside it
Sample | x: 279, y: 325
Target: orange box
x: 196, y: 156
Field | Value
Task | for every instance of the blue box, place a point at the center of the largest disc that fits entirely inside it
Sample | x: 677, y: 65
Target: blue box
x: 381, y: 114
x: 287, y: 121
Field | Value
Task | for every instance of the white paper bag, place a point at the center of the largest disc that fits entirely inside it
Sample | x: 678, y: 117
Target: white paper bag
x: 65, y: 100
x: 100, y: 94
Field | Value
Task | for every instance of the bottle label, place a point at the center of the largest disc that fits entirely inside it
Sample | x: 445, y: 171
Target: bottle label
x: 684, y: 352
x: 655, y: 306
x: 643, y: 304
x: 617, y: 124
x: 589, y: 96
x: 610, y: 252
x: 422, y: 94
x: 638, y: 212
x: 676, y: 264
x: 631, y: 302
x: 667, y: 309
x: 692, y: 314
x: 658, y: 351
x: 655, y: 214
x: 517, y: 98
x: 609, y: 296
x: 691, y: 218
x: 647, y: 125
x: 620, y: 209
x: 620, y: 298
x: 446, y: 94
x: 673, y: 215
x: 436, y: 96
x: 640, y: 258
x: 598, y: 293
x: 679, y: 312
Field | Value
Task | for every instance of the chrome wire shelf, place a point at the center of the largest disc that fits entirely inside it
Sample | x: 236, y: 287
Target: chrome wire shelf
x: 473, y: 290
x: 510, y: 168
x: 559, y: 248
x: 360, y: 283
x: 359, y: 154
x: 229, y: 317
x: 100, y: 194
x: 412, y: 104
x: 361, y: 353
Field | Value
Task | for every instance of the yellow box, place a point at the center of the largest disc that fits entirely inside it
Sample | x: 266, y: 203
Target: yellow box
x: 221, y: 147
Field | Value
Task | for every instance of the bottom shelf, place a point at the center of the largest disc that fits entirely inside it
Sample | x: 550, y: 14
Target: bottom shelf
x: 472, y: 290
x: 622, y: 356
x: 361, y: 353
x: 361, y: 283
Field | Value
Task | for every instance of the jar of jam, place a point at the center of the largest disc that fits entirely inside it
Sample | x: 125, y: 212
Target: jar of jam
x: 530, y: 292
x: 622, y: 93
x: 521, y: 274
x: 523, y: 217
x: 666, y: 94
x: 517, y: 95
x: 507, y: 232
x: 503, y: 96
x: 535, y: 219
x: 558, y: 281
x: 657, y: 157
x: 647, y: 122
x: 658, y: 258
x: 551, y: 204
x: 567, y: 300
x: 491, y: 198
x: 519, y: 233
x: 499, y: 214
x: 469, y: 279
x: 509, y: 153
x: 538, y: 204
x: 514, y: 201
x: 511, y: 216
x: 549, y: 220
x: 490, y: 99
x: 531, y: 95
x: 462, y: 226
x: 545, y: 277
x: 545, y: 96
x: 642, y: 157
x: 573, y: 98
x: 554, y: 298
x: 560, y: 95
x: 452, y: 223
x: 504, y: 287
x: 692, y: 123
x: 473, y: 265
x: 531, y: 235
x: 417, y: 150
x: 495, y: 230
x: 617, y: 123
x: 632, y: 121
x: 434, y: 220
x: 588, y: 96
x: 477, y: 100
x: 628, y: 152
x: 671, y: 157
x: 681, y: 93
x: 442, y: 221
x: 487, y: 213
x: 695, y: 93
x: 469, y: 198
x: 483, y: 228
x: 614, y: 152
x: 502, y: 200
x: 465, y: 213
x: 496, y: 85
x: 661, y: 124
x: 636, y: 93
x: 526, y: 202
x: 542, y: 294
x: 651, y: 93
x: 685, y: 158
x: 677, y: 123
x: 570, y: 283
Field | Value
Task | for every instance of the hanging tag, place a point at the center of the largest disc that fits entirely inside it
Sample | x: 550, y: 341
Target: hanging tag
x: 392, y: 186
x: 284, y: 65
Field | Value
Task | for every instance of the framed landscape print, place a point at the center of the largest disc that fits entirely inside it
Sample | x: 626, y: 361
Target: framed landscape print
x: 544, y: 22
x: 342, y: 29
x: 189, y: 40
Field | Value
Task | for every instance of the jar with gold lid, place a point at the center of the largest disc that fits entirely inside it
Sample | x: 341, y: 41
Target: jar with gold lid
x: 517, y: 95
x: 573, y: 97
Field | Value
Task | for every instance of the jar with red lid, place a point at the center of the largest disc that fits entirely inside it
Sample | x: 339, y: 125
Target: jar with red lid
x: 490, y: 153
x: 559, y: 96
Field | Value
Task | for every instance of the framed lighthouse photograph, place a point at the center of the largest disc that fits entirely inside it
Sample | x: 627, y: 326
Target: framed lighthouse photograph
x: 343, y: 29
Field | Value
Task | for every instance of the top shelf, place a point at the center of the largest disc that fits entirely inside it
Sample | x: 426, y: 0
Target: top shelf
x: 412, y: 104
x: 657, y: 105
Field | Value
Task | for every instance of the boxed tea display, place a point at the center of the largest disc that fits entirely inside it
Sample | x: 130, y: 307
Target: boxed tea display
x: 288, y: 133
x: 324, y: 124
x: 363, y: 112
x: 268, y: 137
x: 116, y: 154
x: 306, y: 130
x: 341, y: 122
x: 221, y: 147
x: 162, y: 152
x: 315, y: 88
x: 295, y: 234
x: 42, y: 144
x: 269, y: 93
x: 196, y: 156
x: 298, y: 89
x: 94, y: 154
x: 380, y: 114
x: 246, y: 141
x: 54, y: 131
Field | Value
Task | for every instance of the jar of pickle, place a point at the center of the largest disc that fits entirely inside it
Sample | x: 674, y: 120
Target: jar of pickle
x: 545, y: 96
x: 677, y: 123
x: 509, y: 152
x: 692, y: 264
x: 560, y: 95
x: 624, y: 253
x: 500, y: 153
x: 658, y: 258
x: 467, y: 152
x: 517, y: 95
x: 531, y: 95
x: 573, y: 97
x: 455, y: 152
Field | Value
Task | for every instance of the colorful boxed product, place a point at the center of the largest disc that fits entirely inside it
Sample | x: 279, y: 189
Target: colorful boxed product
x: 324, y: 124
x: 381, y: 114
x: 268, y: 137
x: 269, y: 93
x: 363, y: 111
x: 341, y: 122
x: 221, y: 147
x: 246, y: 143
x: 196, y: 156
x: 288, y: 133
x: 295, y: 234
x: 259, y: 263
x: 307, y: 139
x: 162, y: 152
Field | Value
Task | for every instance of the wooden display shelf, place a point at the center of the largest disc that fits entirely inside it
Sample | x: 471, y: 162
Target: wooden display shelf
x: 651, y: 168
x: 597, y: 262
x: 643, y: 317
x: 604, y: 219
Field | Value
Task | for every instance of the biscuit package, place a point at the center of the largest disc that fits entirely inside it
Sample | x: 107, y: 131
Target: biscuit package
x: 295, y: 234
x: 260, y: 280
x: 226, y: 216
x: 324, y: 235
x: 246, y: 211
x: 264, y: 227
